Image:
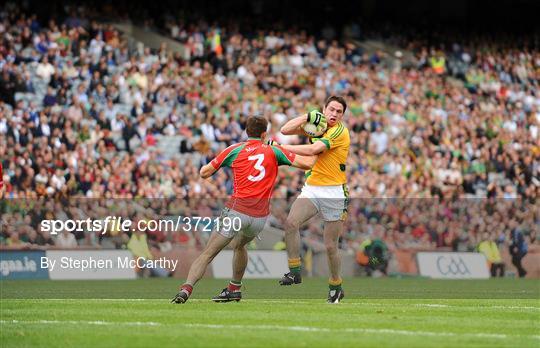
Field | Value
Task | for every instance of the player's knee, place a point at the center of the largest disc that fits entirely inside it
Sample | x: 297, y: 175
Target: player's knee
x: 291, y: 225
x: 239, y: 246
x: 208, y: 255
x: 331, y: 247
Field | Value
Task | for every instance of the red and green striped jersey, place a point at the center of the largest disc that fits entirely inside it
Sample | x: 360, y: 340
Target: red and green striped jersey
x: 255, y: 168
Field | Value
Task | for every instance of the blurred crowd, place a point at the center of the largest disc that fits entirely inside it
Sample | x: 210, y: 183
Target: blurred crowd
x: 83, y: 113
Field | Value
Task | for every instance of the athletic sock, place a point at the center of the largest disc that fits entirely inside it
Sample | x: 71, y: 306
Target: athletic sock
x: 335, y: 284
x: 234, y: 286
x: 295, y: 265
x: 187, y: 288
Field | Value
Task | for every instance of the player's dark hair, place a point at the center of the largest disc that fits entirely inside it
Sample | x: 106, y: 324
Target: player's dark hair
x: 256, y: 126
x: 339, y: 99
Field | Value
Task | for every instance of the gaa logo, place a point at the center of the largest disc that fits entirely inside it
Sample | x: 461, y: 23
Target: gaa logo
x: 451, y: 266
x: 256, y: 265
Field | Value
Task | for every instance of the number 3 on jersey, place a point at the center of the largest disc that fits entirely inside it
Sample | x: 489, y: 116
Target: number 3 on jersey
x: 258, y: 165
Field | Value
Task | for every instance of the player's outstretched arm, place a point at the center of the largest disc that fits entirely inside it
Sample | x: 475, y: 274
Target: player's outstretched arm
x: 304, y: 162
x: 220, y: 160
x: 207, y: 171
x: 307, y: 150
x: 294, y: 126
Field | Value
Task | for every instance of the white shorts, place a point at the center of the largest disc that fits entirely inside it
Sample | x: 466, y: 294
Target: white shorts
x: 249, y: 226
x: 330, y: 201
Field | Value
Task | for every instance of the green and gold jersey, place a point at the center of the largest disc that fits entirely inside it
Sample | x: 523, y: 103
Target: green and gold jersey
x: 329, y: 170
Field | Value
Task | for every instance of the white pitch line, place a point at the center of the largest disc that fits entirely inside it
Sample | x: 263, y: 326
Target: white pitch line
x: 273, y: 327
x: 79, y: 322
x: 432, y: 305
x: 505, y: 307
x: 348, y: 330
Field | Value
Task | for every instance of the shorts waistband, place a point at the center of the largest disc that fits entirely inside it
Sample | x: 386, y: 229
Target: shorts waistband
x: 326, y: 186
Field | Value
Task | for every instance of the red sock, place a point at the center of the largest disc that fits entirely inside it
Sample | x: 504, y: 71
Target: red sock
x: 188, y: 289
x: 234, y: 286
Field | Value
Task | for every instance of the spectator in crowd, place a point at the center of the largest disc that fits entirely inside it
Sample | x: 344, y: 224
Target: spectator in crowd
x: 490, y: 249
x: 373, y: 255
x: 518, y: 249
x: 138, y: 245
x: 65, y: 240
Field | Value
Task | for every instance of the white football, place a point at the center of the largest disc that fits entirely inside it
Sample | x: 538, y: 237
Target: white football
x: 313, y: 130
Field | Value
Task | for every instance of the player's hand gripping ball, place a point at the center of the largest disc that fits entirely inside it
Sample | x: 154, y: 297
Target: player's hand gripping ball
x: 316, y: 124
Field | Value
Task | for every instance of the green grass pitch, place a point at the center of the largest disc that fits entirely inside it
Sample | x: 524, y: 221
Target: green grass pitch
x: 375, y: 313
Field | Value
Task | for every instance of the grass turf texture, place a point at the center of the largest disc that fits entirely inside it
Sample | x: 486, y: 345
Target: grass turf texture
x: 375, y: 312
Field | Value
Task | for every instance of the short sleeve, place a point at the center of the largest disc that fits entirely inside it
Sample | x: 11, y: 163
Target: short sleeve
x: 283, y: 156
x: 225, y: 157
